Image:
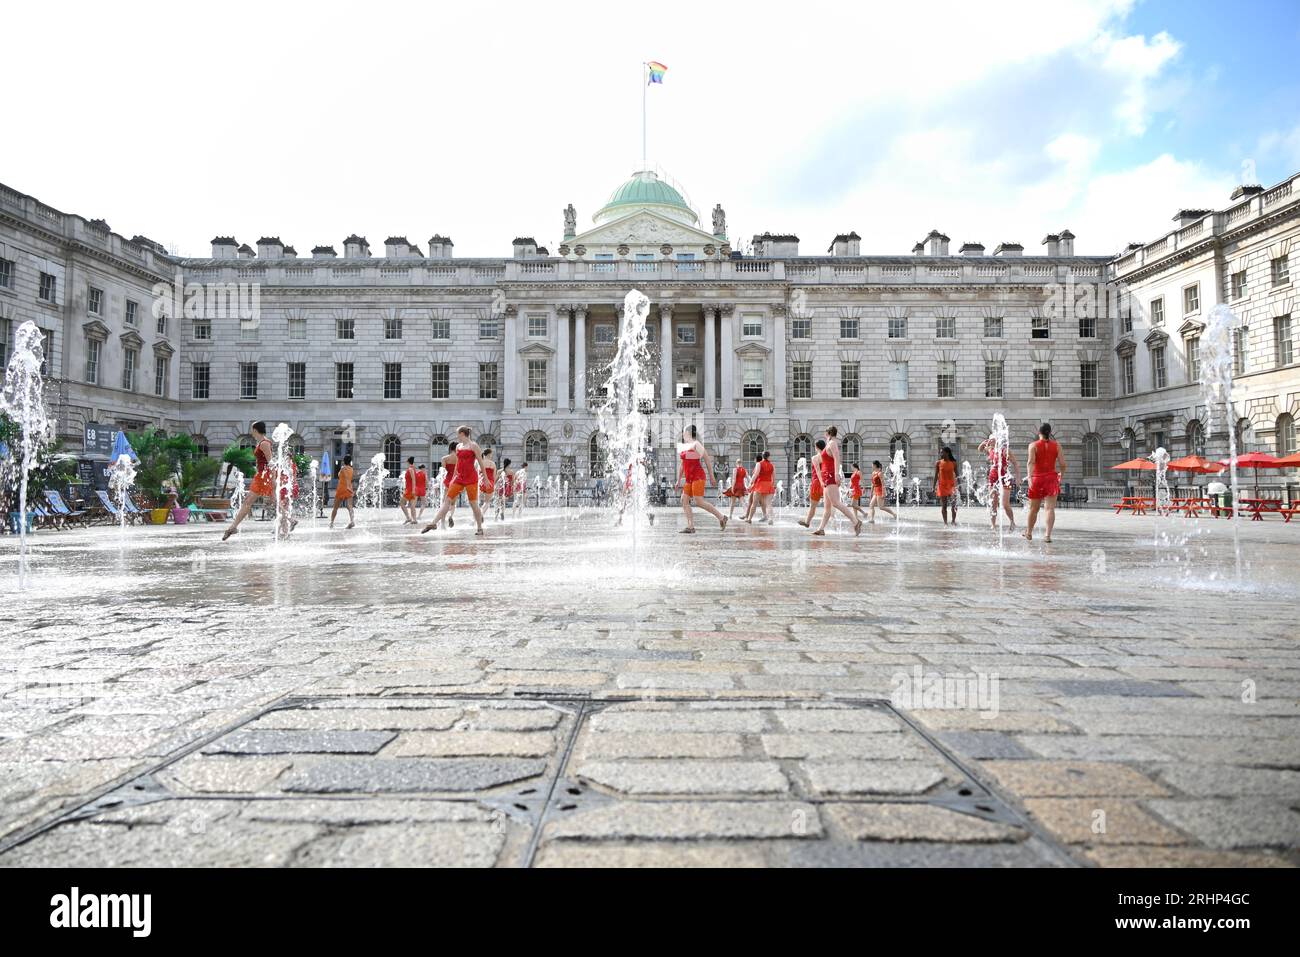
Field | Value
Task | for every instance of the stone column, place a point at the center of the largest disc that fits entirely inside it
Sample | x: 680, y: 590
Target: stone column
x: 665, y: 358
x: 726, y: 316
x: 710, y: 363
x: 579, y: 357
x: 510, y: 360
x: 778, y: 357
x: 562, y: 358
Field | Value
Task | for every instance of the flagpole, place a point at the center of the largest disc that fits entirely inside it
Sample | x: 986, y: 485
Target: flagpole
x: 644, y: 86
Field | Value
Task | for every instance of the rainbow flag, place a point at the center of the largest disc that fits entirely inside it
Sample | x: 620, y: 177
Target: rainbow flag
x: 657, y: 71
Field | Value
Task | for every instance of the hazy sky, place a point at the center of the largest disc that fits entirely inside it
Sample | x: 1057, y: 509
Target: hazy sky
x: 989, y: 121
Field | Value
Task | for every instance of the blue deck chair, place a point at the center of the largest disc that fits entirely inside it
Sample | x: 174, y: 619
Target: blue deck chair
x: 60, y: 507
x: 112, y: 510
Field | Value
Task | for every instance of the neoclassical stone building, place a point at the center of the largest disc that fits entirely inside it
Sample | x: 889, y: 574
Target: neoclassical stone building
x: 391, y: 352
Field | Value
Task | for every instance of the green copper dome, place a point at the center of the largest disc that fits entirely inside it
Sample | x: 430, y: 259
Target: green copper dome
x: 646, y: 189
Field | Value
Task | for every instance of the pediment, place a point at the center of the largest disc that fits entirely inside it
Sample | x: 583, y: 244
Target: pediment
x: 1192, y: 327
x: 1125, y: 347
x: 95, y: 329
x: 1156, y: 337
x: 132, y: 338
x: 753, y: 350
x: 536, y: 349
x: 643, y: 227
x: 164, y: 348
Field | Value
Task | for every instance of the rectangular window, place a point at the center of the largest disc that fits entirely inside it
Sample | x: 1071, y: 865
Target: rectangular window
x: 1239, y: 285
x: 1087, y: 327
x: 848, y: 329
x: 487, y: 329
x: 946, y: 380
x: 537, y: 325
x: 897, y: 327
x: 248, y: 329
x: 1194, y: 359
x: 47, y: 347
x: 993, y: 379
x: 1158, y: 311
x: 160, y: 326
x: 1043, y: 382
x: 297, y: 380
x: 440, y: 376
x: 1280, y: 270
x: 945, y: 327
x: 202, y: 329
x: 604, y: 333
x: 392, y: 327
x: 92, y: 361
x: 133, y: 309
x: 248, y: 380
x: 848, y: 379
x: 1040, y: 327
x: 801, y: 328
x: 95, y: 301
x: 441, y: 329
x: 801, y: 380
x: 160, y: 370
x: 898, y: 380
x: 297, y: 329
x: 345, y: 328
x: 1282, y: 339
x: 1127, y: 373
x: 537, y: 378
x: 1088, y: 381
x: 343, y: 380
x: 6, y: 273
x: 1159, y: 372
x: 129, y: 360
x: 202, y: 376
x: 751, y: 326
x: 1192, y: 299
x: 49, y: 288
x: 685, y: 335
x: 392, y: 380
x: 487, y: 380
x: 992, y: 327
x: 752, y: 370
x: 1240, y: 342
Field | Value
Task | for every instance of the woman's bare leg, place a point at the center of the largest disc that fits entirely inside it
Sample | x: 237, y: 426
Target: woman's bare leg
x: 245, y: 507
x: 705, y: 504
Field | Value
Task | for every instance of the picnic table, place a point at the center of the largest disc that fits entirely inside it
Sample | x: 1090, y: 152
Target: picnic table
x: 1192, y: 507
x: 1256, y: 508
x: 1137, y: 504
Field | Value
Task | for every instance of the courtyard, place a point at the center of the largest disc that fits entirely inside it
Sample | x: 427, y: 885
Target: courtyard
x: 565, y: 692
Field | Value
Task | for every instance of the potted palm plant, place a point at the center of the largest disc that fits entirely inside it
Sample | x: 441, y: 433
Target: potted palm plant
x: 195, y: 476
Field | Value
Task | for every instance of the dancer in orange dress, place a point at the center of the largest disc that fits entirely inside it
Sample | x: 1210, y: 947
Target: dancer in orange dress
x: 831, y: 473
x: 1046, y: 467
x: 815, y: 485
x: 487, y: 482
x: 264, y: 478
x: 945, y: 483
x: 421, y: 490
x: 878, y: 493
x: 855, y: 490
x: 448, y: 463
x: 762, y: 488
x: 343, y: 494
x: 469, y: 458
x: 737, y: 490
x: 408, y: 492
x: 694, y: 469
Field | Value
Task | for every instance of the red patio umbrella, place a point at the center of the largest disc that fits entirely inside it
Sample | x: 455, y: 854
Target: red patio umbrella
x: 1291, y: 461
x: 1196, y: 463
x: 1137, y: 465
x: 1255, y: 461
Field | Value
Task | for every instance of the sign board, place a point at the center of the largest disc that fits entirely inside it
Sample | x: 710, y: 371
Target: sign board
x: 98, y: 440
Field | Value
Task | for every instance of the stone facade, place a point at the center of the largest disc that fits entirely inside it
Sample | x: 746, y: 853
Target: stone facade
x: 759, y: 351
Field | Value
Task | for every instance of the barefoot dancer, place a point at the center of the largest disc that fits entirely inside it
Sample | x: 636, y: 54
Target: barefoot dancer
x: 737, y: 490
x: 464, y: 479
x: 945, y: 483
x: 878, y: 493
x: 815, y: 485
x: 408, y: 492
x: 487, y: 483
x: 831, y: 484
x: 521, y: 488
x: 1001, y: 470
x: 855, y: 491
x: 421, y: 490
x: 506, y: 489
x: 343, y: 493
x: 263, y: 484
x: 1046, y: 467
x: 764, y: 487
x: 693, y: 475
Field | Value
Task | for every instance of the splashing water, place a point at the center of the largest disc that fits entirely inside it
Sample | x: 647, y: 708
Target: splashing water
x: 1216, y: 355
x: 897, y: 468
x: 23, y: 401
x: 314, y: 469
x: 622, y: 417
x: 1163, y: 498
x: 916, y: 491
x: 286, y: 484
x: 968, y: 483
x: 370, y: 489
x: 239, y: 491
x: 1001, y: 439
x: 121, y: 478
x: 799, y: 486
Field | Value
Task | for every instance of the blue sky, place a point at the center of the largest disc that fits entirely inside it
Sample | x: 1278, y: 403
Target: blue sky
x: 992, y: 122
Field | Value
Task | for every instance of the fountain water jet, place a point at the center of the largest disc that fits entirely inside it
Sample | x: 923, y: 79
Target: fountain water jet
x: 121, y: 478
x: 23, y: 400
x: 1216, y: 356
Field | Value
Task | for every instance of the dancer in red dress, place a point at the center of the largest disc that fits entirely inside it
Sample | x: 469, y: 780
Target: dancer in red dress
x: 264, y: 478
x: 694, y: 468
x: 878, y: 493
x: 831, y: 473
x: 469, y: 458
x: 945, y: 484
x: 855, y: 490
x: 521, y: 489
x: 815, y: 486
x: 762, y: 488
x: 1002, y: 468
x: 421, y: 490
x: 737, y: 491
x: 1046, y: 466
x: 408, y: 492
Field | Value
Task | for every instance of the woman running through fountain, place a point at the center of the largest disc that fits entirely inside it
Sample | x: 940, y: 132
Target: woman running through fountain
x: 421, y: 490
x: 448, y: 463
x: 488, y: 477
x: 763, y: 488
x: 694, y: 468
x: 1002, y: 469
x: 468, y: 458
x: 831, y: 484
x: 945, y: 483
x: 521, y: 489
x: 1046, y: 467
x: 878, y: 499
x: 855, y: 491
x: 505, y: 489
x: 343, y: 494
x: 815, y: 485
x: 263, y: 484
x: 408, y: 492
x: 737, y: 491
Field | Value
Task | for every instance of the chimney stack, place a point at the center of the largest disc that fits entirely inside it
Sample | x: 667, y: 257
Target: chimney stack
x: 224, y: 247
x: 440, y: 247
x: 1067, y: 243
x: 356, y: 247
x: 1053, y: 243
x: 936, y: 244
x: 270, y: 247
x: 972, y: 249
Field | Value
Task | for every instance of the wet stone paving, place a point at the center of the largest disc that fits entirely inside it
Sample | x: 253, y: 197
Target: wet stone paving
x: 565, y: 692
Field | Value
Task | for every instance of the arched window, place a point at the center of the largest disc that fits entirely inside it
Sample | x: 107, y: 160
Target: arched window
x: 437, y: 449
x: 392, y: 455
x: 597, y: 455
x: 245, y: 442
x: 488, y: 441
x: 1195, y: 438
x: 752, y: 445
x: 898, y: 442
x: 1092, y: 456
x: 1285, y: 434
x: 202, y: 442
x: 850, y: 452
x: 803, y: 446
x: 535, y: 447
